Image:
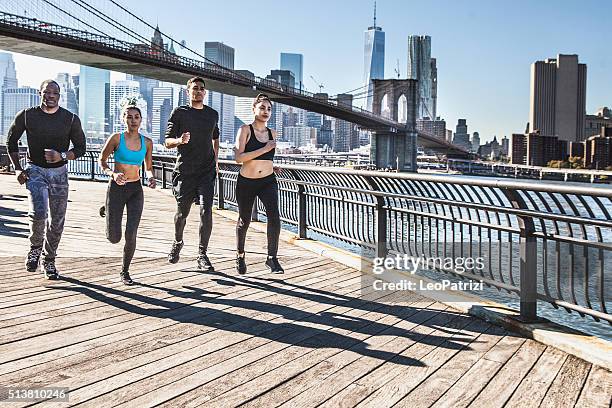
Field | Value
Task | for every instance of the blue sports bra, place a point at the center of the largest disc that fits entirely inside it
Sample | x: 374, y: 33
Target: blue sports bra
x: 126, y: 156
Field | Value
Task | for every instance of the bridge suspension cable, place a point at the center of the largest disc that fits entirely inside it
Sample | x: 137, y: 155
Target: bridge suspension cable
x: 172, y: 39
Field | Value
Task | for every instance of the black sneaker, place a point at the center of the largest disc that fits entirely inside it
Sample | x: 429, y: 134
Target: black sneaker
x: 125, y: 278
x: 102, y: 211
x: 51, y: 272
x: 272, y: 263
x: 173, y: 256
x: 33, y: 259
x: 204, y: 263
x: 241, y: 265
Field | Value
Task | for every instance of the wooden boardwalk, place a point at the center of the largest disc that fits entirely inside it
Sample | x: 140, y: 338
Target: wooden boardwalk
x: 316, y: 336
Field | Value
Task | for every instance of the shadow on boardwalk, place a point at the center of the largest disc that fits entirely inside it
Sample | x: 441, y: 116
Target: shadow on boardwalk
x: 288, y: 332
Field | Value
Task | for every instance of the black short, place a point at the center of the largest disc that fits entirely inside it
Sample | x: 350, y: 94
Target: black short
x: 197, y: 188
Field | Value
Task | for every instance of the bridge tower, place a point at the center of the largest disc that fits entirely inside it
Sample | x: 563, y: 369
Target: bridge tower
x: 395, y: 99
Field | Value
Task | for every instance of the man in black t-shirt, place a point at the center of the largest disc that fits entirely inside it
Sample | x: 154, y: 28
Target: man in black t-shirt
x: 50, y: 129
x: 193, y: 130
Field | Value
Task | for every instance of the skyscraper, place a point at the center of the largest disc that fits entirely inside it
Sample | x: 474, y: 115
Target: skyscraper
x: 243, y: 111
x: 223, y: 55
x: 219, y: 53
x: 422, y: 68
x: 16, y: 99
x: 462, y: 137
x: 374, y: 58
x: 475, y: 142
x: 94, y: 94
x: 146, y: 86
x: 8, y: 79
x: 295, y: 64
x: 434, y: 127
x: 162, y: 107
x: 346, y: 136
x: 558, y: 98
x: 119, y: 92
x: 68, y: 98
x: 283, y: 77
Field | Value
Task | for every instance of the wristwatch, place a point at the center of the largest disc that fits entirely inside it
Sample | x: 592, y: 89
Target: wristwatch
x: 64, y: 156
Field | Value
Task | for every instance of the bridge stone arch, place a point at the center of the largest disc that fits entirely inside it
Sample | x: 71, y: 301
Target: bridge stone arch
x: 402, y: 109
x: 394, y: 89
x: 389, y: 148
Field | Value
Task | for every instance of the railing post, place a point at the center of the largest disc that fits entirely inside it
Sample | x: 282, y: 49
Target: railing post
x: 220, y: 191
x: 163, y: 175
x: 93, y: 166
x: 302, y: 216
x: 381, y: 228
x: 302, y: 213
x: 528, y: 285
x: 381, y: 222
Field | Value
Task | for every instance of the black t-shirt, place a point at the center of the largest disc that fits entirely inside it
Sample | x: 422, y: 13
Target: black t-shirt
x: 197, y: 156
x: 46, y: 131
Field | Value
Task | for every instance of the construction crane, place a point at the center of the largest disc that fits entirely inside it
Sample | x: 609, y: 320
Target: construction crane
x: 318, y: 84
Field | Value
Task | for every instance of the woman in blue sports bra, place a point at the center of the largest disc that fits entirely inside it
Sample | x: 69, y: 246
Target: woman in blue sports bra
x: 129, y: 150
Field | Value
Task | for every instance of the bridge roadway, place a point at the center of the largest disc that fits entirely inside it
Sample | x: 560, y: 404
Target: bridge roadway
x: 316, y: 335
x: 32, y: 37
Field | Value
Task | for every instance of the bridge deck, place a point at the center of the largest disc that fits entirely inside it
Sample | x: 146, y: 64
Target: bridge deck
x: 312, y: 336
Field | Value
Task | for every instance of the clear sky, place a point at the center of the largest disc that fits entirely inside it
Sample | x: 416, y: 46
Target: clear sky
x: 484, y: 48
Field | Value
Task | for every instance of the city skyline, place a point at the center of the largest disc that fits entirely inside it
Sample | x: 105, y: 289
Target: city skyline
x: 483, y: 67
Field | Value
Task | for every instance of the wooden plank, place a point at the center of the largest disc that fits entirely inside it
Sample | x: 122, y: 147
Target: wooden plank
x: 363, y: 387
x: 420, y: 325
x: 259, y: 359
x: 118, y: 290
x: 258, y: 377
x: 478, y: 376
x: 502, y: 385
x: 74, y: 360
x: 432, y: 388
x: 597, y: 391
x: 131, y: 371
x: 299, y: 384
x: 411, y: 376
x: 566, y: 388
x: 532, y: 389
x: 132, y: 329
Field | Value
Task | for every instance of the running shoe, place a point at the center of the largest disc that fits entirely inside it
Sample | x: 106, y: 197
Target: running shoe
x: 272, y: 263
x: 51, y: 272
x: 241, y: 265
x: 204, y: 263
x: 33, y: 259
x: 125, y: 278
x: 173, y: 256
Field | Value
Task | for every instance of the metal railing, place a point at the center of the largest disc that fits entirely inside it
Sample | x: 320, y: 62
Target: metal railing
x: 541, y: 241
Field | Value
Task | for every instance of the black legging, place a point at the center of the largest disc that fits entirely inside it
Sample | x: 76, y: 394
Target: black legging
x: 266, y: 188
x: 180, y: 219
x: 117, y: 197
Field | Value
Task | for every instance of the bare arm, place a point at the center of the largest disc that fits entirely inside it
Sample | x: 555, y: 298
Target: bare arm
x: 241, y: 141
x: 109, y: 147
x: 149, y: 163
